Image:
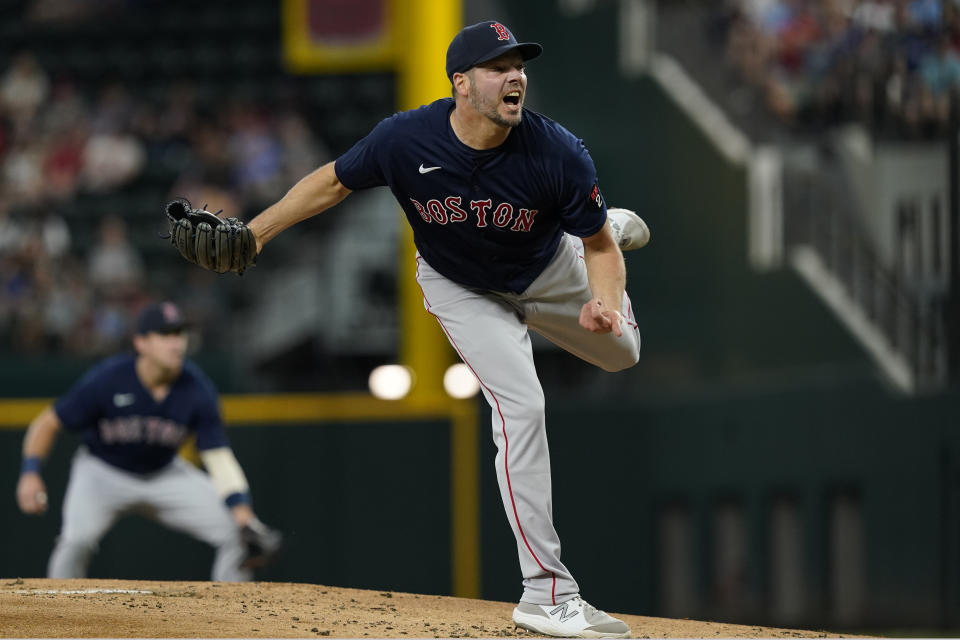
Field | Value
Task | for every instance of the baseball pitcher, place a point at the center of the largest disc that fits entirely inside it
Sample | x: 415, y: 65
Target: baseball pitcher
x: 512, y: 233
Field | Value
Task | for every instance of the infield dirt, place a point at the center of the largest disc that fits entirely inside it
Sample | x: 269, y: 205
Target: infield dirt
x: 40, y: 608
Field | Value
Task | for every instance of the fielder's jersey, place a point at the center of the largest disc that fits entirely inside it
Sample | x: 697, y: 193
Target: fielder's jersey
x: 488, y: 219
x: 121, y: 422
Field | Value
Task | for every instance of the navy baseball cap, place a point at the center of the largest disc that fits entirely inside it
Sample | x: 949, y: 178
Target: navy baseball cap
x: 484, y: 41
x: 161, y: 317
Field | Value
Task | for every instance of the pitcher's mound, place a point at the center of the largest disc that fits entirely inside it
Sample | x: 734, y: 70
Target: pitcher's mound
x: 35, y: 608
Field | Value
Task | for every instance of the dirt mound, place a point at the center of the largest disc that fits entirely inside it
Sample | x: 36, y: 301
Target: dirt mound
x: 35, y: 608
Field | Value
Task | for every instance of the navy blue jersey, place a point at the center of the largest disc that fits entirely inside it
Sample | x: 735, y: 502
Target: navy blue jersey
x: 123, y: 424
x: 487, y: 219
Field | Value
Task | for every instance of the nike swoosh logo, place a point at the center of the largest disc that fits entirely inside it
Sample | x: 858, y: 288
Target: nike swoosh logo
x: 123, y: 399
x: 424, y: 169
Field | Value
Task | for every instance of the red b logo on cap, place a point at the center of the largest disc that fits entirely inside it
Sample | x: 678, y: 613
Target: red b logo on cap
x: 501, y: 30
x: 170, y: 312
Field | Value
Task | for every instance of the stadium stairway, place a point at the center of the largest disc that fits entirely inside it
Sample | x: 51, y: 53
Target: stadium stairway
x: 822, y: 202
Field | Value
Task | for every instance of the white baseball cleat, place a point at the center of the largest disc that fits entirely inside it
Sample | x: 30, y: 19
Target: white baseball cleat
x: 629, y: 229
x: 575, y: 618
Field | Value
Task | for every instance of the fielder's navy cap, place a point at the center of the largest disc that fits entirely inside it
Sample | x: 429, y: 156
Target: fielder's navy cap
x: 484, y: 41
x: 161, y: 317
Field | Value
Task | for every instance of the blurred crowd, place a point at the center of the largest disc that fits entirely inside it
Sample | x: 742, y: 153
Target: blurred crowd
x: 890, y: 64
x: 72, y: 273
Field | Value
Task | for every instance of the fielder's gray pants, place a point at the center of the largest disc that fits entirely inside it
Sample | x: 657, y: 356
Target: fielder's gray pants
x: 179, y: 496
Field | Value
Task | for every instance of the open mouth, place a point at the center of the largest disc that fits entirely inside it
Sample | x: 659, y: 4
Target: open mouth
x: 512, y: 98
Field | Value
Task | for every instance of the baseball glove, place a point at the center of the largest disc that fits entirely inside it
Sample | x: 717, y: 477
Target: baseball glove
x: 206, y: 239
x: 262, y: 543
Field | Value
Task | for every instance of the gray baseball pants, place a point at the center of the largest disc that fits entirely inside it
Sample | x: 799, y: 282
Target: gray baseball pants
x: 179, y: 496
x: 490, y: 332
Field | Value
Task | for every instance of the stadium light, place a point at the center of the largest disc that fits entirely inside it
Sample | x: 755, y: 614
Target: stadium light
x: 460, y: 382
x: 390, y: 381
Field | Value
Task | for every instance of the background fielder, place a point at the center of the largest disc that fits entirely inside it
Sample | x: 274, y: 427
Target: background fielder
x: 134, y: 411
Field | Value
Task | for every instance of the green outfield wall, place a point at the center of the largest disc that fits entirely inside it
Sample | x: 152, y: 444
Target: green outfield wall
x: 360, y: 504
x: 647, y: 496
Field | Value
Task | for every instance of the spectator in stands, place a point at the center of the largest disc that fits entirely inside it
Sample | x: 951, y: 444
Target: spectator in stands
x: 53, y: 233
x: 64, y: 161
x: 925, y: 14
x: 110, y: 160
x: 115, y: 267
x: 257, y: 174
x: 111, y: 323
x: 940, y: 71
x: 11, y: 230
x: 874, y: 15
x: 21, y: 175
x: 23, y: 88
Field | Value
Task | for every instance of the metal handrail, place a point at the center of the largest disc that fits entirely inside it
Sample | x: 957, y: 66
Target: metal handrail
x: 912, y: 323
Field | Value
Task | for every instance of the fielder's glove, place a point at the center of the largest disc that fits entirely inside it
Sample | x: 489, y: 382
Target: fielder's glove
x: 262, y: 543
x: 205, y: 239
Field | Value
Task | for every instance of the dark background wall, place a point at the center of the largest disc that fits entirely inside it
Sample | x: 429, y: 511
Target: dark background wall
x: 367, y: 505
x: 361, y: 505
